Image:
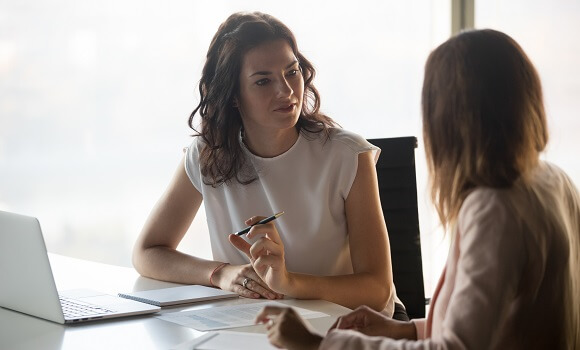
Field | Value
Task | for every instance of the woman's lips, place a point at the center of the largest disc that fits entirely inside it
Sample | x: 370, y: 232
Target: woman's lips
x: 285, y: 109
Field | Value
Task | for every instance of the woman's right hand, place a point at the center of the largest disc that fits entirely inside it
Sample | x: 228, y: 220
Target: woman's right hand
x: 232, y: 277
x: 266, y: 254
x: 369, y: 322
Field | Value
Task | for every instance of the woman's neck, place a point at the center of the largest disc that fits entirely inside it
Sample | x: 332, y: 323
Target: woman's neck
x: 269, y: 144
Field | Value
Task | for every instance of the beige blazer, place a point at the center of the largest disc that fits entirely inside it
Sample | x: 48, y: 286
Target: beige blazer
x: 512, y: 277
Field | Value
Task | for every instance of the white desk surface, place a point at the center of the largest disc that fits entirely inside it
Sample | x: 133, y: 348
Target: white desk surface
x: 20, y: 331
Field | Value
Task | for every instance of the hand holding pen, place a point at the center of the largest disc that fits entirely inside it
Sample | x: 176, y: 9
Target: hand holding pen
x: 266, y: 254
x: 261, y: 222
x: 244, y: 279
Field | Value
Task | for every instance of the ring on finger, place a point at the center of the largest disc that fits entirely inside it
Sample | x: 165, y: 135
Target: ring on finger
x: 245, y: 283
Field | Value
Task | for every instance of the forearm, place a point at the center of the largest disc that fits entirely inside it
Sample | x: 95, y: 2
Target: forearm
x: 350, y: 339
x: 350, y: 291
x: 163, y: 263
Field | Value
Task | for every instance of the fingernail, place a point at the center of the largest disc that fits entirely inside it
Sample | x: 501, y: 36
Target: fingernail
x: 256, y: 295
x: 271, y: 296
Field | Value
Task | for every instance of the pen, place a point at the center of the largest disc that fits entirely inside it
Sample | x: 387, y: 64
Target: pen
x: 263, y: 221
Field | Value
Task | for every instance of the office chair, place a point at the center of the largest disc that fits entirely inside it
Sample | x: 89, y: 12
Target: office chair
x: 398, y: 195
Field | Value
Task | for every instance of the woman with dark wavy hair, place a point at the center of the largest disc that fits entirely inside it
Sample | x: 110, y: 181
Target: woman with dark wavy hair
x: 512, y: 278
x: 264, y: 147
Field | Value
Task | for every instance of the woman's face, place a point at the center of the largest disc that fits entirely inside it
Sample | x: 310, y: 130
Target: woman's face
x: 271, y: 88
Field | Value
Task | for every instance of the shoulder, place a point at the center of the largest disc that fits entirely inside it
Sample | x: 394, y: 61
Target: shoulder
x: 341, y: 140
x: 483, y: 198
x: 490, y: 232
x: 550, y: 173
x: 488, y: 208
x: 349, y: 139
x: 192, y: 151
x: 191, y: 160
x: 546, y: 187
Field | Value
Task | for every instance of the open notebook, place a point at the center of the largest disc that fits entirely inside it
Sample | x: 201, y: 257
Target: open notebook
x: 28, y: 285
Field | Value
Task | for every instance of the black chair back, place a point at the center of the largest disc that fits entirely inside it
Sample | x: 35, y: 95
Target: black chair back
x: 398, y: 194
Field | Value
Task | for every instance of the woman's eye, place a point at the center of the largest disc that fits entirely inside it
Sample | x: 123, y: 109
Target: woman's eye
x: 262, y: 82
x: 293, y: 72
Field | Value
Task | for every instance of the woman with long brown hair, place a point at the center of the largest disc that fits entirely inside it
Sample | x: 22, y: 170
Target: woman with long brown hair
x: 512, y: 278
x: 263, y: 147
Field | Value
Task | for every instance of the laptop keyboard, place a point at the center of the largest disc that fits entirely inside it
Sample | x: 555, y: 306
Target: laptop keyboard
x: 74, y: 309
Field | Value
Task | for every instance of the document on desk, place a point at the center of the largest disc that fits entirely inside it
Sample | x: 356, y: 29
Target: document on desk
x: 223, y: 340
x: 230, y: 316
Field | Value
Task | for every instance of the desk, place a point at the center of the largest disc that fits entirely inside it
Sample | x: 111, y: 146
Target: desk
x: 20, y: 331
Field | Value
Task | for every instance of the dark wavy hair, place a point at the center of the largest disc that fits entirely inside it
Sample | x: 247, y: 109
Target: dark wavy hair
x: 221, y: 155
x: 484, y: 122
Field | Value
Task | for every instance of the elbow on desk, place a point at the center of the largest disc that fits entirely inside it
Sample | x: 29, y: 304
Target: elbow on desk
x: 380, y: 293
x: 380, y: 300
x: 375, y: 302
x: 376, y: 297
x: 137, y: 259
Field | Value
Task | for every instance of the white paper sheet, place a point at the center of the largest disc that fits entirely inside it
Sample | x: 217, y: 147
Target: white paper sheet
x: 230, y: 316
x: 228, y: 340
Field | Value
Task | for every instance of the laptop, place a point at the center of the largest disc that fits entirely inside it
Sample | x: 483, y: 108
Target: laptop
x: 27, y: 284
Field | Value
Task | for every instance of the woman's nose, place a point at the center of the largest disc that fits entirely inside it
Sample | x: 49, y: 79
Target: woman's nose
x: 284, y: 89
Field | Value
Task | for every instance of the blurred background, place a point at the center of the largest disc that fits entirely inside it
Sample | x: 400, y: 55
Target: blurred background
x: 95, y: 96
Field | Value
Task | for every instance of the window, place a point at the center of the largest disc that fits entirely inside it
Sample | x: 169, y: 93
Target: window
x: 95, y: 95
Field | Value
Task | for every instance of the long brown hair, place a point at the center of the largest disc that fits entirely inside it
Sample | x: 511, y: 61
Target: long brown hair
x: 483, y: 117
x: 221, y: 155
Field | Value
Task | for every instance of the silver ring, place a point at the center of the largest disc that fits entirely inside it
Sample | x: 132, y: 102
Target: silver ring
x: 245, y: 283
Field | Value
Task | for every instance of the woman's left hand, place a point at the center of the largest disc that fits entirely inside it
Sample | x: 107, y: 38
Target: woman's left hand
x: 286, y: 329
x: 266, y: 254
